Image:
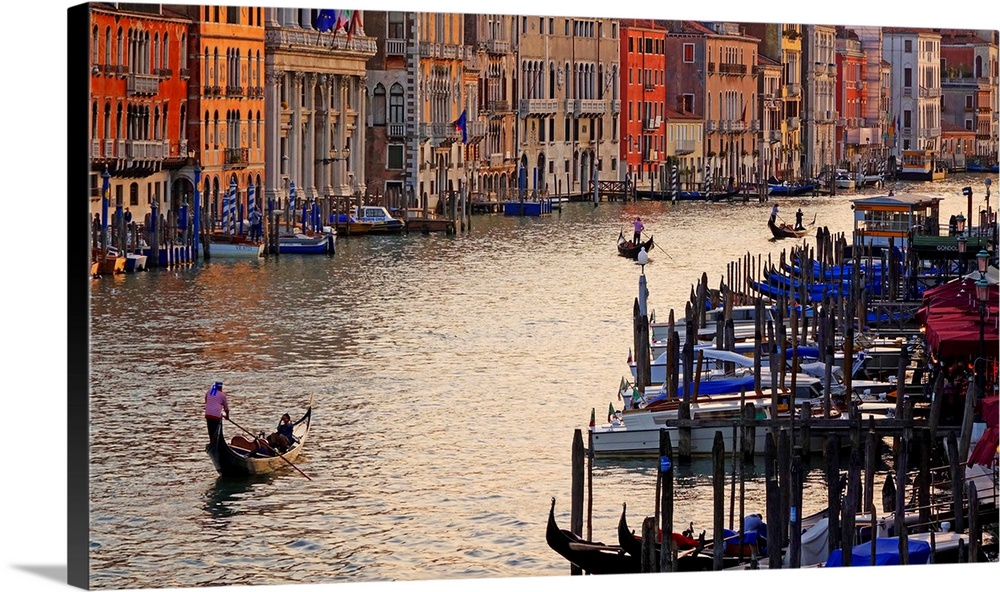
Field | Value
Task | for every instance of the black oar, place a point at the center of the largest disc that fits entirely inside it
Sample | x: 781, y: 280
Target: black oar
x: 657, y: 245
x: 264, y: 442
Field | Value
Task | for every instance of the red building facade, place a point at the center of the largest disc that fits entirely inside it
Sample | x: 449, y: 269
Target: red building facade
x: 139, y: 95
x: 644, y: 100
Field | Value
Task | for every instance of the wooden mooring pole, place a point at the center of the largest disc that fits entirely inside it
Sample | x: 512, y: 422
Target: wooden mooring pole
x: 576, y: 491
x: 667, y: 561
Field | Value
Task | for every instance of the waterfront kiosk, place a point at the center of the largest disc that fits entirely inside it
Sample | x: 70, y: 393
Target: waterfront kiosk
x: 879, y: 218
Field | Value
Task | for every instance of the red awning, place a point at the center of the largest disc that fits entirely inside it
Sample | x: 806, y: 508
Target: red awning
x: 950, y: 313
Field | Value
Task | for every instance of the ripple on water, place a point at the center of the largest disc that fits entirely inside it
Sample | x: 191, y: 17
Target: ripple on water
x: 449, y: 373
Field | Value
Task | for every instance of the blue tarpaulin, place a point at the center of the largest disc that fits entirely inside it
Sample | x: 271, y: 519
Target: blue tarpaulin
x: 886, y: 553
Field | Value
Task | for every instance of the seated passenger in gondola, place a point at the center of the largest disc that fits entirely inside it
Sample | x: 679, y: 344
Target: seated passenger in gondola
x: 283, y: 439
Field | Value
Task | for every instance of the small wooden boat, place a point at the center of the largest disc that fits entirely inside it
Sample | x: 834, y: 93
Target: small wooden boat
x: 627, y: 249
x: 234, y: 246
x: 244, y: 456
x: 592, y: 557
x: 110, y: 265
x: 788, y: 231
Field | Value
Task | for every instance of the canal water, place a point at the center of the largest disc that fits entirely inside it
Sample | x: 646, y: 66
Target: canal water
x: 449, y: 374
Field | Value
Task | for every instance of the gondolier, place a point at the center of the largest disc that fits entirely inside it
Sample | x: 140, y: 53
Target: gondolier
x: 638, y: 226
x: 216, y: 407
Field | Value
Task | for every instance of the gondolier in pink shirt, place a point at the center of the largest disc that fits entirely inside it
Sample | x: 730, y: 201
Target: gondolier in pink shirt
x: 216, y: 407
x: 637, y: 237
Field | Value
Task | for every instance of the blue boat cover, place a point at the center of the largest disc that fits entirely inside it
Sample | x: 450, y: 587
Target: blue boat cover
x: 886, y: 553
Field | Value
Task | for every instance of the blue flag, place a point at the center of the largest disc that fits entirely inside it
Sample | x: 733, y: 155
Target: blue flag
x: 325, y: 20
x: 460, y: 125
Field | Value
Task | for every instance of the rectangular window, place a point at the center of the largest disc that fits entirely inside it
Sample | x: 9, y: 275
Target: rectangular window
x: 233, y: 15
x: 907, y: 118
x: 394, y: 157
x: 907, y: 77
x: 649, y: 45
x: 524, y: 24
x: 908, y: 46
x: 968, y: 124
x: 567, y: 28
x: 631, y: 44
x: 566, y: 129
x: 552, y: 26
x: 541, y: 25
x: 968, y: 101
x: 688, y: 53
x: 395, y: 30
x: 541, y: 131
x: 552, y: 129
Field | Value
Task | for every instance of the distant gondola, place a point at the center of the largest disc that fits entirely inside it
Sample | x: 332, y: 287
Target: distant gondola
x: 237, y: 459
x: 788, y: 231
x: 593, y: 558
x: 627, y: 249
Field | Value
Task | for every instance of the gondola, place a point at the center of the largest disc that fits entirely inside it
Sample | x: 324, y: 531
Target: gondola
x: 692, y: 554
x: 787, y: 231
x: 243, y: 457
x: 592, y: 557
x: 627, y: 249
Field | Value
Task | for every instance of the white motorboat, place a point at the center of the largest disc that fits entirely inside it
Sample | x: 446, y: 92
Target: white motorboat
x: 234, y: 246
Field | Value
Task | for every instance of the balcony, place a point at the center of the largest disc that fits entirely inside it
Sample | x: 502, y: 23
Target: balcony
x: 109, y: 148
x: 683, y: 147
x: 648, y: 87
x: 429, y: 50
x: 794, y: 89
x: 538, y: 107
x: 166, y: 72
x: 616, y: 106
x: 590, y: 107
x: 142, y: 84
x: 498, y: 106
x: 143, y: 149
x: 396, y: 130
x: 395, y: 47
x: 651, y: 123
x: 793, y: 123
x: 439, y: 132
x: 449, y: 52
x: 755, y: 126
x: 475, y: 129
x: 294, y: 39
x: 234, y: 91
x: 711, y: 125
x: 711, y: 67
x: 185, y: 72
x: 774, y: 136
x: 734, y: 69
x: 95, y: 148
x: 497, y: 47
x: 496, y: 159
x: 929, y: 93
x: 237, y: 158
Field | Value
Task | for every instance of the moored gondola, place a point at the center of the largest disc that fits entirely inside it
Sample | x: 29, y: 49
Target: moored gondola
x: 592, y: 557
x: 627, y: 249
x: 244, y: 456
x: 692, y: 554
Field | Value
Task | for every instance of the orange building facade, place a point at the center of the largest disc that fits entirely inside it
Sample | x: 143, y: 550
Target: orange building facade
x: 226, y: 126
x: 139, y: 107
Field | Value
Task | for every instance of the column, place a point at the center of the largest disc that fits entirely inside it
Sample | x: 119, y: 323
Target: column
x: 272, y: 136
x: 360, y: 131
x: 345, y: 187
x: 309, y: 159
x: 295, y: 131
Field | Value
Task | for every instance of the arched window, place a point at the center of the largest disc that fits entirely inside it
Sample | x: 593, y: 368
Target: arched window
x: 120, y: 60
x: 166, y: 51
x: 119, y: 122
x: 182, y: 132
x: 95, y: 47
x: 206, y: 132
x: 208, y: 69
x: 378, y: 105
x: 396, y: 103
x: 156, y: 124
x: 107, y: 120
x: 156, y: 52
x: 93, y: 121
x: 107, y: 46
x: 215, y: 131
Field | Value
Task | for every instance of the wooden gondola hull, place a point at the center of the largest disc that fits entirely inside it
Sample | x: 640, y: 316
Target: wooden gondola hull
x: 593, y: 558
x: 632, y: 252
x: 232, y: 461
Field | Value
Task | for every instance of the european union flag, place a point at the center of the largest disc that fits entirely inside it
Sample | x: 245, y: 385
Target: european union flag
x: 324, y: 20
